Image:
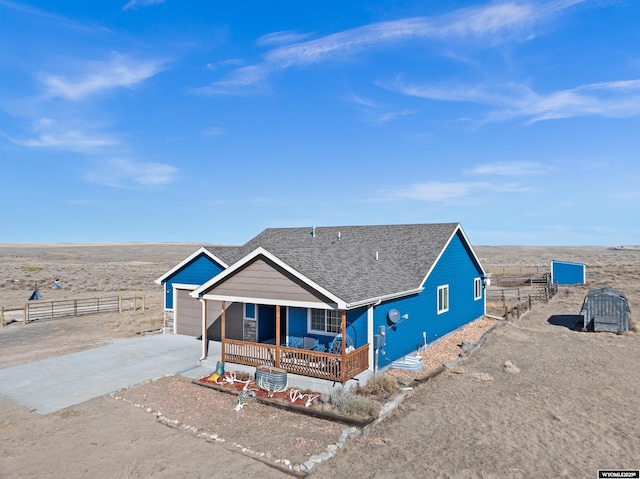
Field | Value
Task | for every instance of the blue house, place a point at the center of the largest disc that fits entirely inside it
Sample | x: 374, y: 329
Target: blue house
x: 321, y: 301
x: 179, y: 282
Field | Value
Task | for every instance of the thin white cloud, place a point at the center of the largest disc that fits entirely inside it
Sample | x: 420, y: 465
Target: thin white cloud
x: 510, y: 168
x: 453, y: 192
x: 224, y: 63
x: 489, y: 23
x: 281, y: 38
x: 118, y: 72
x: 360, y: 101
x: 135, y: 4
x: 214, y: 131
x: 376, y: 112
x: 436, y: 191
x: 42, y: 15
x: 122, y: 173
x: 615, y: 99
x: 49, y: 134
x: 70, y: 140
x: 387, y: 117
x: 452, y: 92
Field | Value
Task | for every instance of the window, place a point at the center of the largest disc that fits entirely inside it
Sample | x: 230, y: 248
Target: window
x: 324, y: 321
x: 477, y: 289
x: 249, y: 311
x: 443, y: 299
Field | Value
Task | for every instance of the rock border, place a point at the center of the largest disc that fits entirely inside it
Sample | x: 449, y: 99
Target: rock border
x: 308, y: 467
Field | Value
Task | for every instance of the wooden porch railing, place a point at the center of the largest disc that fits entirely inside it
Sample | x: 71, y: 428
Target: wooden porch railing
x: 304, y: 362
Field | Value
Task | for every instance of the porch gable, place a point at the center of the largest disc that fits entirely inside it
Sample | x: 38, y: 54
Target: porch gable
x: 263, y: 281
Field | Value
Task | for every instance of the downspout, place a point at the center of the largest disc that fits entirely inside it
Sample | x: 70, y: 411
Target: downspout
x: 222, y: 329
x: 370, y: 332
x: 277, y: 335
x: 343, y: 372
x: 205, y: 340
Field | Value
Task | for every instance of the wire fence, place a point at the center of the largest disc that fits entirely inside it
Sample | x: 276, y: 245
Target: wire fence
x: 45, y: 310
x: 511, y: 303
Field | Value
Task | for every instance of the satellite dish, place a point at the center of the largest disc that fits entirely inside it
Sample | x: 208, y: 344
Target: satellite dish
x: 394, y: 316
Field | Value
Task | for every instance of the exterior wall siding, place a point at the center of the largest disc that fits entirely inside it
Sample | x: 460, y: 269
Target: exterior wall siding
x: 357, y: 326
x: 214, y: 313
x: 265, y: 281
x: 198, y: 271
x: 234, y: 321
x: 455, y: 268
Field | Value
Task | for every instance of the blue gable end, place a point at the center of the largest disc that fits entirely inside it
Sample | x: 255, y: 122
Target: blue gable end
x: 198, y: 271
x: 419, y: 313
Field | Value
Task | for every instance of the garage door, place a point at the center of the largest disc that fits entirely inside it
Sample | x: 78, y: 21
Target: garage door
x: 188, y: 315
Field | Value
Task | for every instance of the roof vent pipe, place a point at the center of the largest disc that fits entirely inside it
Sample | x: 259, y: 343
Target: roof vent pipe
x: 313, y: 232
x: 376, y: 256
x: 339, y: 236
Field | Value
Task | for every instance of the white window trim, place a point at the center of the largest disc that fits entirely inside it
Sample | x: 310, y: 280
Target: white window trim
x: 255, y: 312
x: 477, y: 289
x: 319, y: 331
x: 444, y: 287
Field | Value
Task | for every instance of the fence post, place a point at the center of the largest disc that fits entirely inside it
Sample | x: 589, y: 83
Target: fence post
x: 144, y: 303
x: 119, y: 304
x: 26, y: 312
x: 2, y: 315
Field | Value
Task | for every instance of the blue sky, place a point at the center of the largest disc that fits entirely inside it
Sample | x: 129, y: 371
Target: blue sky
x: 208, y: 121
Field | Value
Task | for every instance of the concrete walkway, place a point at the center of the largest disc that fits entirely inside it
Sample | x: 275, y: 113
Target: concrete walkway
x: 53, y: 384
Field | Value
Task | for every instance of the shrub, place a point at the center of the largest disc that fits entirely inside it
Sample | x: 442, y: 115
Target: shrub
x: 348, y: 403
x: 383, y: 385
x: 356, y: 406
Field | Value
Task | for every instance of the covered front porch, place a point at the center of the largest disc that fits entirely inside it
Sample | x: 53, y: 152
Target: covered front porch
x: 271, y: 315
x: 316, y: 364
x: 305, y: 356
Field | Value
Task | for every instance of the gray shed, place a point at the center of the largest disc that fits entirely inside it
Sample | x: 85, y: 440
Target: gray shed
x: 606, y: 309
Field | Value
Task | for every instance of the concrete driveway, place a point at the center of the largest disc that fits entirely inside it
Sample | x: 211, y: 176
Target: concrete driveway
x: 53, y: 384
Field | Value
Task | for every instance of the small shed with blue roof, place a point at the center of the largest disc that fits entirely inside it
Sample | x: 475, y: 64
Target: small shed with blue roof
x: 567, y: 272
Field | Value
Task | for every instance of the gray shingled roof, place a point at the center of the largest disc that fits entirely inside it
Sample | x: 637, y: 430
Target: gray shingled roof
x: 347, y: 267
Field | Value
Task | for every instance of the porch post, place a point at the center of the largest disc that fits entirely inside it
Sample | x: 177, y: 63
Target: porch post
x: 205, y: 341
x: 277, y: 335
x: 223, y: 319
x: 344, y: 347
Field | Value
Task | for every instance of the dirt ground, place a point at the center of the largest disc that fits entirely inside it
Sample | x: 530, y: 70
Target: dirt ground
x: 538, y: 399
